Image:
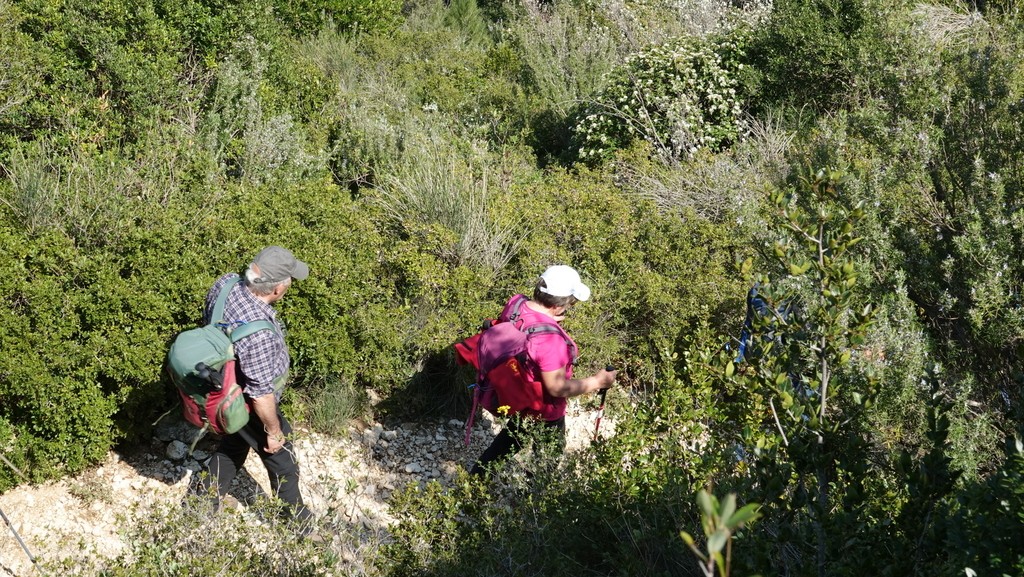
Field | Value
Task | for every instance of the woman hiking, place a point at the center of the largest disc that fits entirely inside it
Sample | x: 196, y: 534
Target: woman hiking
x: 550, y: 359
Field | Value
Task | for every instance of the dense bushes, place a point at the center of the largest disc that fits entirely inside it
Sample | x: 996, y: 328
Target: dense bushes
x: 148, y: 147
x: 680, y: 97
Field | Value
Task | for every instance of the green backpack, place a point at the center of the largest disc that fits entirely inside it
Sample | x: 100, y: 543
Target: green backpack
x: 201, y: 363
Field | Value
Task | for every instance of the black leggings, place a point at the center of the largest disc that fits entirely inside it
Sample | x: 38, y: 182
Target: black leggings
x: 282, y: 468
x: 510, y: 440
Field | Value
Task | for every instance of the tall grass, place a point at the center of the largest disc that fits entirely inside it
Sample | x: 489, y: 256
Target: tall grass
x: 720, y: 187
x: 435, y: 186
x: 89, y: 197
x: 944, y: 26
x: 330, y: 406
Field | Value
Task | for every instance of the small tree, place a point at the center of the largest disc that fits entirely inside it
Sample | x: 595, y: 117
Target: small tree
x: 807, y: 424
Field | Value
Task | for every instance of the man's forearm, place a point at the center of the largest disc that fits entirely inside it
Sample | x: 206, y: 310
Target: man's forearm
x: 266, y: 410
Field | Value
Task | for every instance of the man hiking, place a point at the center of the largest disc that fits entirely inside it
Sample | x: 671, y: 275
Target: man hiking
x: 262, y: 370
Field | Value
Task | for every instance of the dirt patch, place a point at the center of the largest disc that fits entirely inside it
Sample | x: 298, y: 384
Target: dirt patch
x: 352, y: 478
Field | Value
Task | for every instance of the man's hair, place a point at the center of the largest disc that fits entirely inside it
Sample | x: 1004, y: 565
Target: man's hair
x: 262, y: 289
x: 551, y: 301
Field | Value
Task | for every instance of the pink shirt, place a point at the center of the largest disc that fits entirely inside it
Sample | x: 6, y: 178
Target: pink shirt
x: 547, y: 351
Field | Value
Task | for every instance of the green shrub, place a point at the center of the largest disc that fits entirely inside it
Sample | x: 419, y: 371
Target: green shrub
x: 57, y: 400
x: 986, y: 531
x: 211, y: 28
x: 307, y: 17
x: 17, y: 79
x: 681, y: 97
x: 110, y: 69
x: 819, y: 53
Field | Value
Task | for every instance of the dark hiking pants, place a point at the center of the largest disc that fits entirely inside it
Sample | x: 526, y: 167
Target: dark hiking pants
x: 282, y: 467
x: 513, y: 436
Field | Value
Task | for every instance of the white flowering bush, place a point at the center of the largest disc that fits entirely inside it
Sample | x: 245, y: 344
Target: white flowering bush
x: 681, y: 96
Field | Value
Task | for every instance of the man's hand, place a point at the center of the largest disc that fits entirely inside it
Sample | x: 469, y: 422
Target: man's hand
x: 265, y: 408
x: 274, y: 443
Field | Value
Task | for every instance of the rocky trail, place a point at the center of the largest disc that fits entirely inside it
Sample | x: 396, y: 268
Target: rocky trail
x: 81, y: 517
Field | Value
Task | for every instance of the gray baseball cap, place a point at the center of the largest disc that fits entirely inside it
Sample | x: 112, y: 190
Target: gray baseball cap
x: 277, y: 264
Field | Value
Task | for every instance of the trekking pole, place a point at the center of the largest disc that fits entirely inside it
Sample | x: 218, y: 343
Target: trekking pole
x: 10, y: 525
x: 20, y: 542
x: 600, y: 410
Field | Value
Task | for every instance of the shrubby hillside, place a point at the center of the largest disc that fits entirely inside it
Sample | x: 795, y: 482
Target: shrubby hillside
x: 859, y: 160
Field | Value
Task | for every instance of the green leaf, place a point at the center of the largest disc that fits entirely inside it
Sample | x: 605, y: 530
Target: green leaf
x: 687, y: 538
x: 730, y: 369
x: 728, y: 506
x: 746, y: 266
x: 717, y: 541
x: 746, y: 514
x: 704, y: 502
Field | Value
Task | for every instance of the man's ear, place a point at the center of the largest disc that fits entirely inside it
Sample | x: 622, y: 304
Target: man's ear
x: 253, y: 272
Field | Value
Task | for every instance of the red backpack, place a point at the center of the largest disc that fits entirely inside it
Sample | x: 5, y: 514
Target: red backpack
x: 498, y: 353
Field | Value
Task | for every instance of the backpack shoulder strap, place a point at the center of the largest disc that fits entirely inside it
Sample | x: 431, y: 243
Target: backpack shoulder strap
x: 245, y: 329
x: 236, y: 331
x: 517, y: 307
x: 550, y: 328
x: 222, y: 298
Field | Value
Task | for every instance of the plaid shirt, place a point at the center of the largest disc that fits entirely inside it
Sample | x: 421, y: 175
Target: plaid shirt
x: 262, y: 356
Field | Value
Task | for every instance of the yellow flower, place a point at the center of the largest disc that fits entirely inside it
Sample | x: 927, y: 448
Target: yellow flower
x: 503, y: 410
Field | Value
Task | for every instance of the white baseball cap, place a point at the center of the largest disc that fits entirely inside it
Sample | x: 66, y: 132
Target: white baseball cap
x: 562, y: 281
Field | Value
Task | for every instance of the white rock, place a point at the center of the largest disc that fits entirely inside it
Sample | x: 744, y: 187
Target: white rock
x: 369, y: 437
